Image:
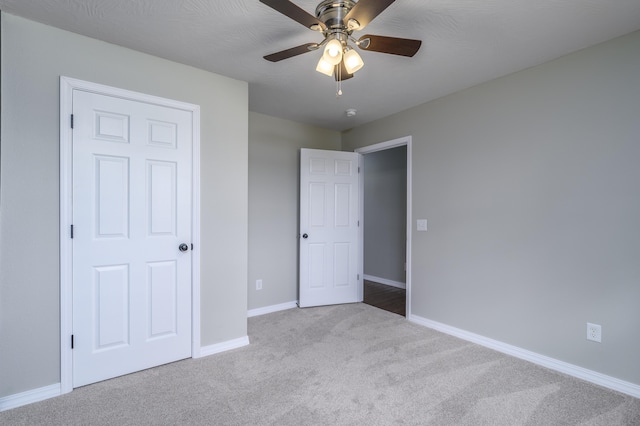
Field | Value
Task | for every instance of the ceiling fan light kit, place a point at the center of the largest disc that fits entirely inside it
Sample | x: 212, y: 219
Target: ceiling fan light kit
x: 352, y: 60
x: 333, y: 52
x: 337, y: 20
x: 325, y: 67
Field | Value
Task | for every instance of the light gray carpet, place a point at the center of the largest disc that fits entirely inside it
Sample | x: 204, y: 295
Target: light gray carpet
x: 339, y: 365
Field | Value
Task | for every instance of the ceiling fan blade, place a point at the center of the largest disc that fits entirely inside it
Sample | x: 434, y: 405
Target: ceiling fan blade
x: 343, y: 75
x: 289, y: 53
x: 294, y: 12
x: 366, y: 10
x: 393, y: 45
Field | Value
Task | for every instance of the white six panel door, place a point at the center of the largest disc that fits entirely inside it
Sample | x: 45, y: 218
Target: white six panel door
x: 131, y: 212
x: 328, y: 227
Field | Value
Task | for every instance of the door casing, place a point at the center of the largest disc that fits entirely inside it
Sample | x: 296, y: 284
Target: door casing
x: 67, y: 86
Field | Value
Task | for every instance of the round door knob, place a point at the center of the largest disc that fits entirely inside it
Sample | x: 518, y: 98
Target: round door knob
x: 305, y: 236
x: 183, y: 247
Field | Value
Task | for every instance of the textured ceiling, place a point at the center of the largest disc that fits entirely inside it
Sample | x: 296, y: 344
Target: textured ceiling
x: 465, y: 42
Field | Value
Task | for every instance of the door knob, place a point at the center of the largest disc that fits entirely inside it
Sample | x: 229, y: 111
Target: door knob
x: 183, y: 247
x: 305, y: 236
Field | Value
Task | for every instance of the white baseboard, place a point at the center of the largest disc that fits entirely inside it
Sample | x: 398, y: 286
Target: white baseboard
x: 223, y: 346
x: 271, y: 309
x: 545, y: 361
x: 40, y: 394
x: 384, y: 281
x: 29, y: 397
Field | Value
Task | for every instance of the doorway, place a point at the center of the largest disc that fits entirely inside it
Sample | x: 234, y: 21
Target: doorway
x: 386, y: 202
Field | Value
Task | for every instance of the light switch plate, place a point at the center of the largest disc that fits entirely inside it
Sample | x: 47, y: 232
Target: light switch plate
x: 422, y: 224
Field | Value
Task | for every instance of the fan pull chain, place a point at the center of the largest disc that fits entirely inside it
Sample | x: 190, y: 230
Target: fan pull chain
x: 339, y: 82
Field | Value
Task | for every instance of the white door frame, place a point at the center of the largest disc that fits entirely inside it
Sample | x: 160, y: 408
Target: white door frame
x: 67, y: 86
x: 404, y: 141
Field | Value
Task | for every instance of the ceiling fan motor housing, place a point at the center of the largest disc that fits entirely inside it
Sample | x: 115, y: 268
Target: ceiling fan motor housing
x: 333, y: 12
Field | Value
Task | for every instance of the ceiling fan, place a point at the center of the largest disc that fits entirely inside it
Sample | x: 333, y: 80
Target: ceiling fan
x: 337, y: 20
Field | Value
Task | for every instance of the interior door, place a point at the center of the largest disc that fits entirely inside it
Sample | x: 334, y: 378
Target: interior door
x: 131, y: 236
x: 329, y: 238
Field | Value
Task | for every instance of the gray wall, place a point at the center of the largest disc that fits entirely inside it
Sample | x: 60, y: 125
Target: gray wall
x: 34, y: 56
x: 274, y: 146
x: 531, y: 187
x: 385, y: 213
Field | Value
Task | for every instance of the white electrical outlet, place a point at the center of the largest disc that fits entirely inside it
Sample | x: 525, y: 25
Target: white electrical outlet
x: 258, y: 284
x: 594, y: 332
x: 422, y: 225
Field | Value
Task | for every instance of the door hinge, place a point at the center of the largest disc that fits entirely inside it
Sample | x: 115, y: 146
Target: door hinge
x: 358, y: 166
x: 358, y: 277
x: 192, y: 246
x: 72, y: 121
x: 72, y: 341
x: 71, y: 231
x: 358, y: 224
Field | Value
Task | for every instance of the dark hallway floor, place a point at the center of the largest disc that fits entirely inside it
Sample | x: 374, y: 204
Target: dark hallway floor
x: 385, y: 297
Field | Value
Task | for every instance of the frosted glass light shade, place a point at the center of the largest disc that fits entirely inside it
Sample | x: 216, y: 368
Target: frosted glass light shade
x: 352, y: 61
x: 333, y: 52
x: 325, y: 67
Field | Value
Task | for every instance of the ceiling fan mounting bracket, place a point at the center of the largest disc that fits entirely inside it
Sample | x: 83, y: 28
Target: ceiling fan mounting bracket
x: 363, y: 43
x: 353, y: 24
